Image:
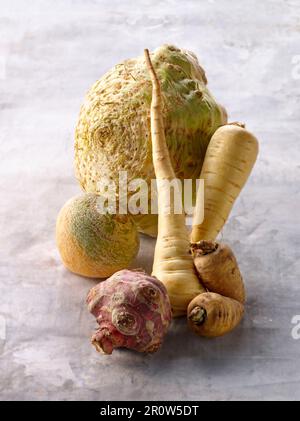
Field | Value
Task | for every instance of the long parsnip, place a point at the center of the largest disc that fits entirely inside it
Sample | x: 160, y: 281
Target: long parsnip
x: 228, y: 162
x: 173, y: 264
x: 208, y: 314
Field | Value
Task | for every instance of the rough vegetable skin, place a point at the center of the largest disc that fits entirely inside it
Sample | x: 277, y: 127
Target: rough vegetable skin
x: 132, y: 310
x: 228, y: 162
x: 114, y: 121
x: 218, y: 269
x: 173, y: 264
x: 212, y: 314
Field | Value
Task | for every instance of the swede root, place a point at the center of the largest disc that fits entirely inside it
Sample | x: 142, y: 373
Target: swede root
x: 93, y: 244
x: 228, y: 162
x: 212, y: 314
x: 133, y: 311
x: 173, y: 264
x: 218, y: 269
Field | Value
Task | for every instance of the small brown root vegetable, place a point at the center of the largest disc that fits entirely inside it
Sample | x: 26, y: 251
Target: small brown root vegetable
x: 133, y: 311
x: 218, y: 269
x: 212, y: 315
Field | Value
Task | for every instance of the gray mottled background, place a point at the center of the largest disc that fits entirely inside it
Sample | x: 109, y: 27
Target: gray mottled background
x: 50, y: 53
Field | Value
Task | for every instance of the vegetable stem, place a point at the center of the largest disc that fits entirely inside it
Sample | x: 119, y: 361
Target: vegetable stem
x: 198, y: 315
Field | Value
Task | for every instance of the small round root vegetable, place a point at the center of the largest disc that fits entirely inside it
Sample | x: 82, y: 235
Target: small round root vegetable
x: 218, y: 269
x: 228, y: 162
x: 212, y: 314
x: 133, y: 311
x: 93, y: 244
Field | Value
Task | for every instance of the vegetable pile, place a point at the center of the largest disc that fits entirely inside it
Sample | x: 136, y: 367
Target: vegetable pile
x: 153, y: 116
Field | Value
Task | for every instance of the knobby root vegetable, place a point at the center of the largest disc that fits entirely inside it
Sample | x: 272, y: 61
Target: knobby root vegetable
x: 114, y: 122
x: 229, y: 159
x: 133, y: 311
x: 212, y: 314
x: 218, y: 269
x: 93, y: 244
x: 173, y: 264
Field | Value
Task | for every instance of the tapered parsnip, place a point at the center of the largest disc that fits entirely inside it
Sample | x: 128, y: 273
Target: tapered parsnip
x: 218, y: 269
x: 173, y: 265
x: 228, y: 162
x: 212, y: 315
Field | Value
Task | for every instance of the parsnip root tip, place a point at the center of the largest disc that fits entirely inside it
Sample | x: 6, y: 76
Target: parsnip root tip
x: 150, y: 65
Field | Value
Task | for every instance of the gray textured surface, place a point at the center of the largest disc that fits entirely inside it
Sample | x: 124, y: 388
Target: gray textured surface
x: 50, y: 53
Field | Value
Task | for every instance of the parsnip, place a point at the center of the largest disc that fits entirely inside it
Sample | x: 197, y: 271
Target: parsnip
x: 212, y: 315
x: 228, y: 162
x: 218, y: 269
x: 208, y: 314
x: 173, y: 264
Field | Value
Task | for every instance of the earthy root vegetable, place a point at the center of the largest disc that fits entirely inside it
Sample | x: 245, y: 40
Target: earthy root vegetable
x: 229, y: 159
x: 114, y: 121
x: 173, y: 264
x: 92, y: 244
x: 212, y: 315
x: 133, y: 311
x: 218, y: 269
